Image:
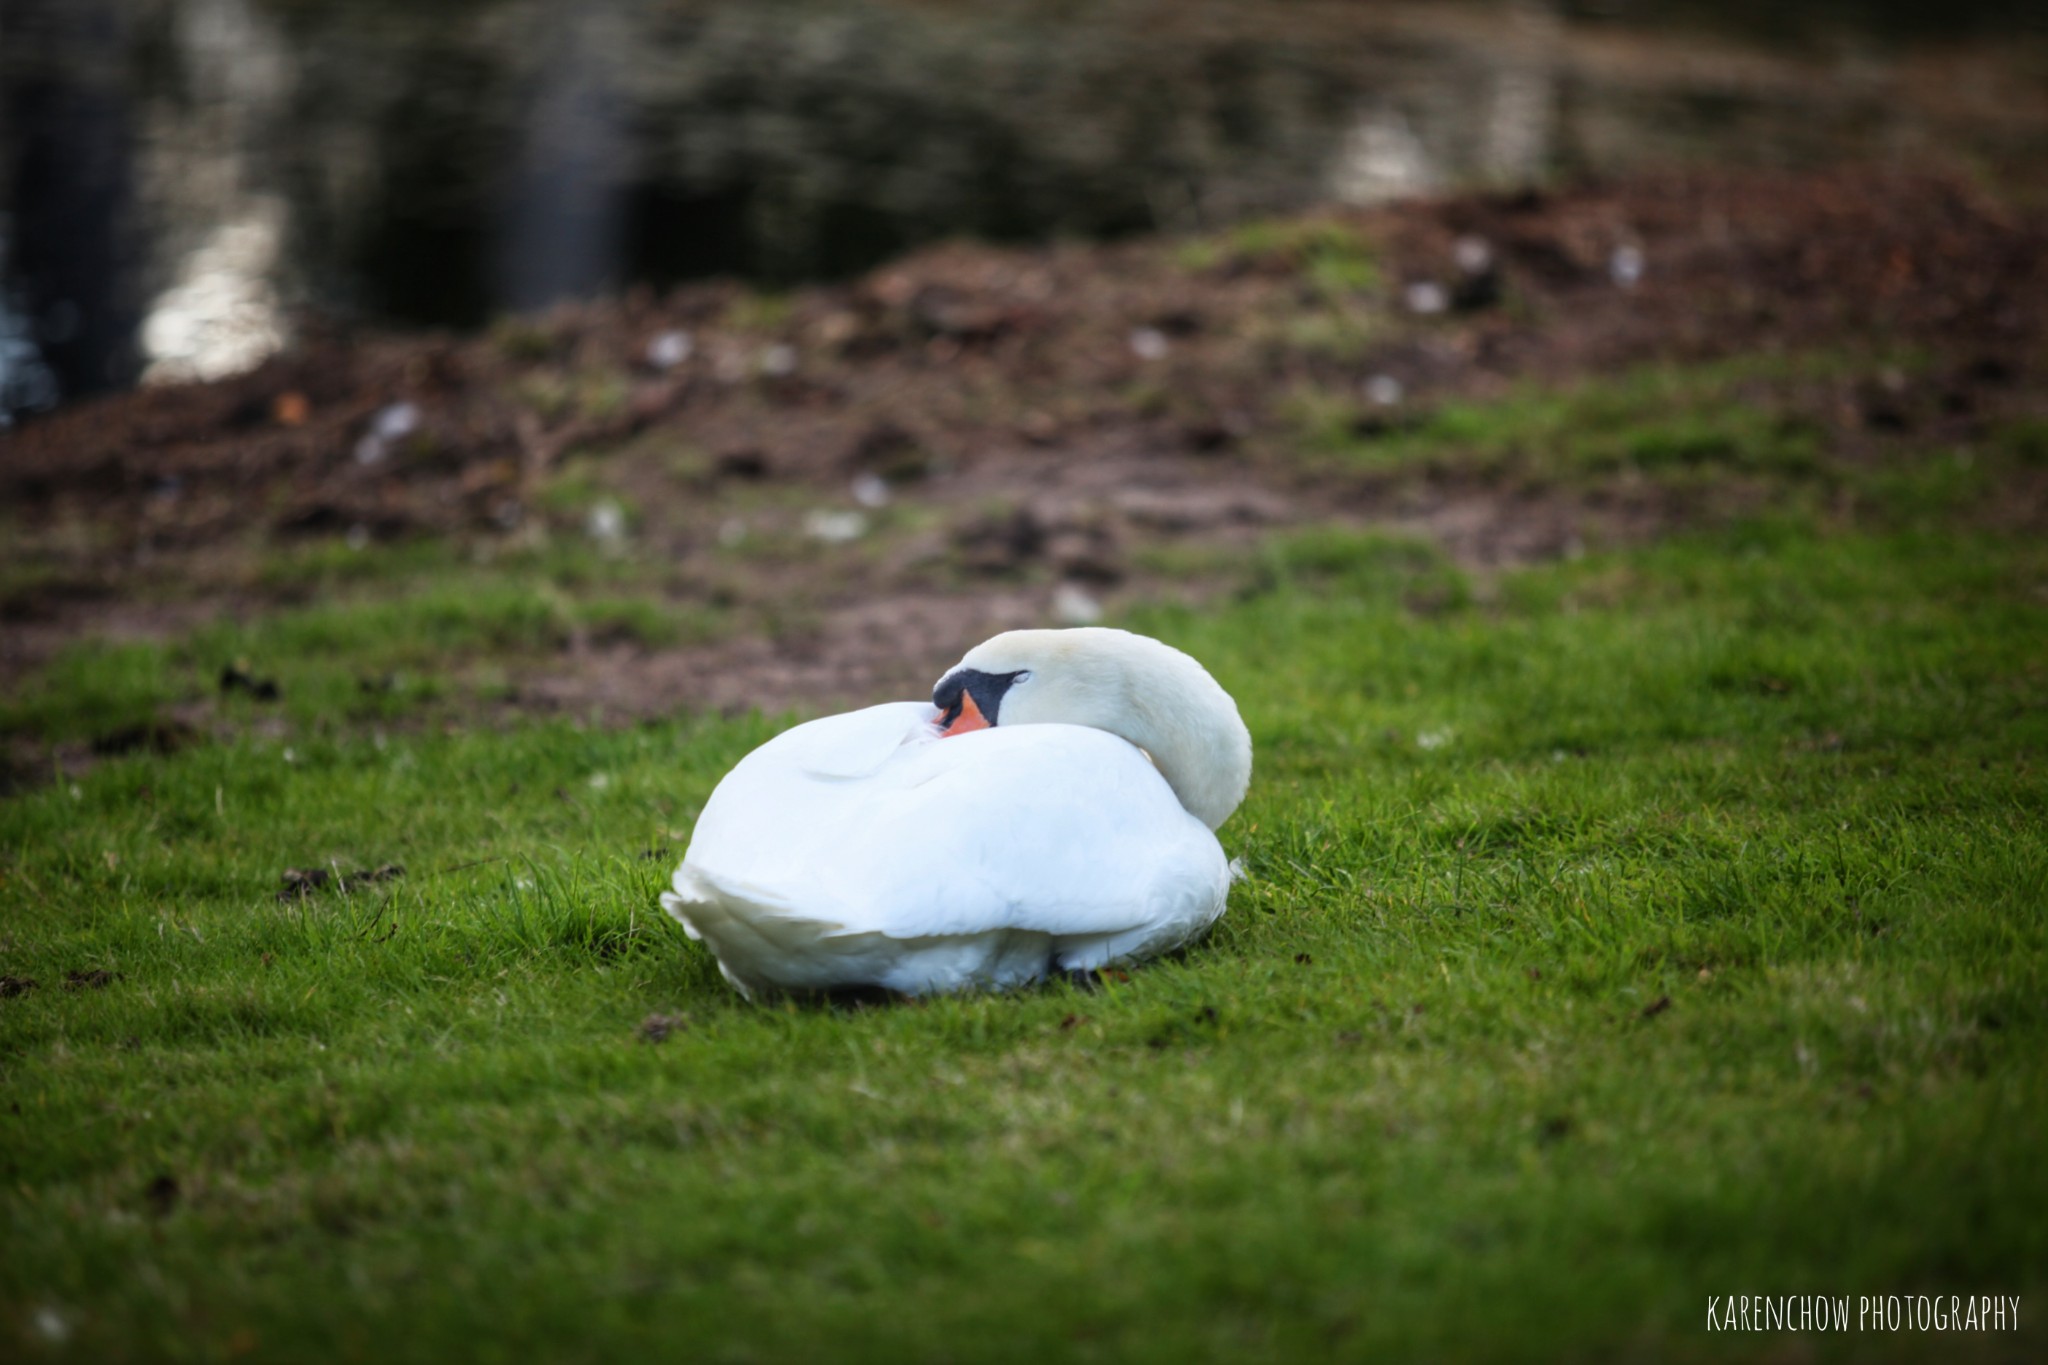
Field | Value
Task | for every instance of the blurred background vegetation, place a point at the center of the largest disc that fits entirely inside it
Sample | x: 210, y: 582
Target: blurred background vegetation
x: 181, y: 181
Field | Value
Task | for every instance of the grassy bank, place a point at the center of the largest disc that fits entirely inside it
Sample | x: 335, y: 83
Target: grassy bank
x: 1617, y: 933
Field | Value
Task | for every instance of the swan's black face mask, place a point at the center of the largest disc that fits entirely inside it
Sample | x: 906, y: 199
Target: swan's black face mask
x: 970, y: 699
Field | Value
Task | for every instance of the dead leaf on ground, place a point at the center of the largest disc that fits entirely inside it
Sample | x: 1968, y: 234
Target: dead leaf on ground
x: 236, y: 677
x: 157, y: 736
x: 300, y: 882
x: 656, y: 1028
x: 162, y: 1194
x: 97, y: 979
x: 304, y: 881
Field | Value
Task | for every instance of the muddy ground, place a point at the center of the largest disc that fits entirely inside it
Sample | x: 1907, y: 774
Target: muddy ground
x: 864, y: 479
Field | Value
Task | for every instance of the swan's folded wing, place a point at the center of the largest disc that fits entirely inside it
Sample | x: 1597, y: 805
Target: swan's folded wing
x: 1052, y: 828
x: 795, y: 783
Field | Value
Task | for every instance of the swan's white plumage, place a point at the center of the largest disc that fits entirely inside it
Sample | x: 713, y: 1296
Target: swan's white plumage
x: 863, y: 849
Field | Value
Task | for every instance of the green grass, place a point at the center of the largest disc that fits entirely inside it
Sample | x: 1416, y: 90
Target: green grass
x: 1641, y: 929
x: 1333, y: 258
x: 355, y: 658
x: 1758, y: 422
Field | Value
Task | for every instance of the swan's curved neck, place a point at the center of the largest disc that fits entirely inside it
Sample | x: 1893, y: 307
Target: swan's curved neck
x: 1202, y: 750
x: 1150, y: 694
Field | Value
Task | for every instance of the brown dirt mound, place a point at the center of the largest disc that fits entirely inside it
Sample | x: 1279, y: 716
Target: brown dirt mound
x: 1052, y: 410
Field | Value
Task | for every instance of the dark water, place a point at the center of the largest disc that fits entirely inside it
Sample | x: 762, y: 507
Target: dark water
x: 180, y: 179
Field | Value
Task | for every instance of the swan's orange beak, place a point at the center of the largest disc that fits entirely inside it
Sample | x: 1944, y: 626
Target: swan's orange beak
x: 970, y: 717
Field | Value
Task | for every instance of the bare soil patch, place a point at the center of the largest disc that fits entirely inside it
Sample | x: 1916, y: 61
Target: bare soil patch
x: 1049, y: 427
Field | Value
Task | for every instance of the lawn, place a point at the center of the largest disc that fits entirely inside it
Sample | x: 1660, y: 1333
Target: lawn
x: 1619, y: 933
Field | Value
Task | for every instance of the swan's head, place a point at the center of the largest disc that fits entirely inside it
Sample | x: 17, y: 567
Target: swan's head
x: 1149, y: 693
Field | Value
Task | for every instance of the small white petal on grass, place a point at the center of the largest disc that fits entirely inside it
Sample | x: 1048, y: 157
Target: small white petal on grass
x: 1433, y: 739
x: 599, y: 781
x: 606, y: 522
x: 871, y: 490
x: 1625, y: 266
x: 1384, y: 390
x: 1149, y: 343
x: 669, y: 349
x: 778, y: 360
x: 731, y: 532
x: 1426, y: 297
x: 52, y: 1326
x: 393, y: 422
x: 834, y: 527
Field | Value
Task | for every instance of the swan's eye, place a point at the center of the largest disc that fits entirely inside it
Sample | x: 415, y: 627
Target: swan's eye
x: 1021, y: 677
x: 971, y: 699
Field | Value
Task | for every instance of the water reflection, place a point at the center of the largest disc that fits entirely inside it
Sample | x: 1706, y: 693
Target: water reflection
x: 27, y: 383
x: 68, y: 124
x: 223, y: 315
x: 188, y: 174
x: 563, y: 210
x: 220, y: 232
x: 1524, y: 95
x: 1380, y: 159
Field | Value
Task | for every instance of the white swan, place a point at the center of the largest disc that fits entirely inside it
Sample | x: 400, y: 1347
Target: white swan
x: 1051, y: 810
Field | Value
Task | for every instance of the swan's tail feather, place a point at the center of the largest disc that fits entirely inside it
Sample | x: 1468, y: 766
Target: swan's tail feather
x: 748, y: 929
x: 764, y: 944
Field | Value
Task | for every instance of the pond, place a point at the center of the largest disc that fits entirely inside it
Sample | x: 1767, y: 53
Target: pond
x: 182, y: 182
